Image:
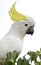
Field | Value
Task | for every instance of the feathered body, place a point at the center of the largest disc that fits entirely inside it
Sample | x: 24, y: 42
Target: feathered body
x: 10, y: 43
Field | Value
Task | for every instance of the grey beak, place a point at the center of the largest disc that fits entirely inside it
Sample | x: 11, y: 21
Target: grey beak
x: 30, y: 31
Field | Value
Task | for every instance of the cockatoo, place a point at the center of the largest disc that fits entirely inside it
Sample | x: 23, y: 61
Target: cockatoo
x: 13, y: 40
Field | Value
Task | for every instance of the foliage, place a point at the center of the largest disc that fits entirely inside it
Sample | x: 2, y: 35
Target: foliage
x: 11, y: 58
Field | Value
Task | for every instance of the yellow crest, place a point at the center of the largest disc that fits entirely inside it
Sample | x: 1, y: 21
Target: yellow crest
x: 15, y: 16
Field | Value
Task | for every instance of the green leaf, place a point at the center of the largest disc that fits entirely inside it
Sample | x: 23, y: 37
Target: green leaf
x: 9, y: 63
x: 40, y: 56
x: 40, y: 50
x: 11, y: 56
x: 40, y: 62
x: 36, y: 55
x: 14, y: 55
x: 32, y: 54
x: 19, y: 62
x: 37, y: 63
x: 25, y: 62
x: 8, y: 56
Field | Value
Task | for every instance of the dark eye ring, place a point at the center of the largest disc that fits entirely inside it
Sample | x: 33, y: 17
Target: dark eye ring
x: 26, y: 24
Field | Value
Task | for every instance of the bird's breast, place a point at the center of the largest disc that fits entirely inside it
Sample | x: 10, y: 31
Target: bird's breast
x: 10, y: 43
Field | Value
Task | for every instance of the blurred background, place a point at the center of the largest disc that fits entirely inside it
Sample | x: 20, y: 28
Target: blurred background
x: 29, y: 8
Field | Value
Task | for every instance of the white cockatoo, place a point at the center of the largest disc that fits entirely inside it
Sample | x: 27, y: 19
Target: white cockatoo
x: 13, y: 40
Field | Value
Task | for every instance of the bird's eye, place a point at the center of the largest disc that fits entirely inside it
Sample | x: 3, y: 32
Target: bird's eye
x: 26, y: 24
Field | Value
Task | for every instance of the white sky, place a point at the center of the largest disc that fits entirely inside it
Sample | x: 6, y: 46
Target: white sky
x: 29, y: 8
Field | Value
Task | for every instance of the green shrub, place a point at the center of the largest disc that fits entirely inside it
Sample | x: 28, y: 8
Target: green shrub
x: 11, y: 58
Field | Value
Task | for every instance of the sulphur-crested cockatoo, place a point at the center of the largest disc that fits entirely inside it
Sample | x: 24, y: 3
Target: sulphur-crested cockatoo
x: 13, y: 40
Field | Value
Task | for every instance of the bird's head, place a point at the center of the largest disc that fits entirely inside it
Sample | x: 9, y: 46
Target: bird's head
x: 23, y: 25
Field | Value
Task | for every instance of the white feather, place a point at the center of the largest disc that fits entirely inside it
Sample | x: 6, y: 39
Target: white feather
x: 10, y: 43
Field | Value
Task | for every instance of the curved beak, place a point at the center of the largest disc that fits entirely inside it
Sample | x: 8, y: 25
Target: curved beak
x: 30, y: 31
